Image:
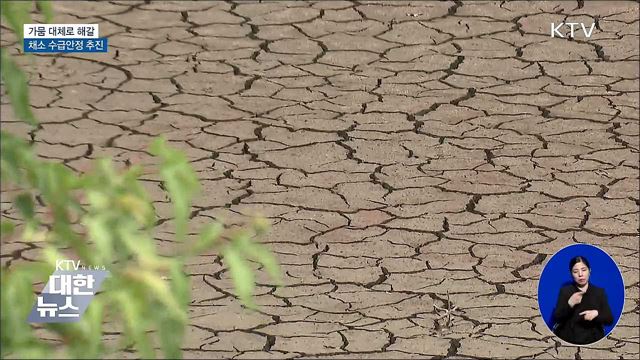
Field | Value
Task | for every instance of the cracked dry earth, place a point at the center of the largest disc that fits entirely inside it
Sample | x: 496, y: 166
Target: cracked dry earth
x: 400, y: 150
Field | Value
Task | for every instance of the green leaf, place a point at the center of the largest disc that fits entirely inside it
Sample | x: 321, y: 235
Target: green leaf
x: 79, y: 331
x: 17, y: 159
x: 208, y: 236
x: 181, y: 286
x: 36, y: 271
x: 180, y: 181
x: 24, y: 204
x: 161, y: 292
x: 140, y: 244
x: 6, y: 228
x: 50, y: 255
x: 33, y: 350
x: 17, y: 14
x: 171, y: 333
x: 261, y: 226
x: 16, y: 84
x: 46, y: 9
x: 171, y: 329
x: 261, y: 254
x: 241, y: 274
x: 100, y: 233
x: 132, y: 308
x: 93, y: 318
x: 63, y: 235
x: 136, y: 207
x: 17, y: 299
x: 99, y: 200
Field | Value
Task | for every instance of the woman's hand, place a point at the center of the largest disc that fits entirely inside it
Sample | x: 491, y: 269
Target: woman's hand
x: 589, y: 314
x: 576, y: 298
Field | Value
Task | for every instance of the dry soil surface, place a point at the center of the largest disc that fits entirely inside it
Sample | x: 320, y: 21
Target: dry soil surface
x: 400, y: 151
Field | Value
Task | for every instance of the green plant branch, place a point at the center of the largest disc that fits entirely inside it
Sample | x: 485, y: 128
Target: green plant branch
x: 105, y: 217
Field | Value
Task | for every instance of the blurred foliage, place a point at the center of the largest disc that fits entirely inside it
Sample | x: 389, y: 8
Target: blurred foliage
x: 107, y: 219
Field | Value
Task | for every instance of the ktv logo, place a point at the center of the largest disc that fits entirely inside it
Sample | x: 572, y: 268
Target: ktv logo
x: 555, y: 29
x: 68, y: 293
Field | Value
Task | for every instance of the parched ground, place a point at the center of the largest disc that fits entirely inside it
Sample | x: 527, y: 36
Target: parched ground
x: 400, y: 150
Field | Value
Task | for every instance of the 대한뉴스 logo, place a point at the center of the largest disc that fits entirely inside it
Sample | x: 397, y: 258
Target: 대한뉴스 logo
x: 67, y: 293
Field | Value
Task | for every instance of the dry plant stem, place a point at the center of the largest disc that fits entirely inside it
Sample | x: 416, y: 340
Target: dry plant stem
x: 449, y: 310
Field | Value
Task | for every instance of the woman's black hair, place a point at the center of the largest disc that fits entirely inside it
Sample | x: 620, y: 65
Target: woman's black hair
x: 579, y: 259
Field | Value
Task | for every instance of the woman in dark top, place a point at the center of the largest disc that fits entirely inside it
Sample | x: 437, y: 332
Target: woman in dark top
x: 582, y: 309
